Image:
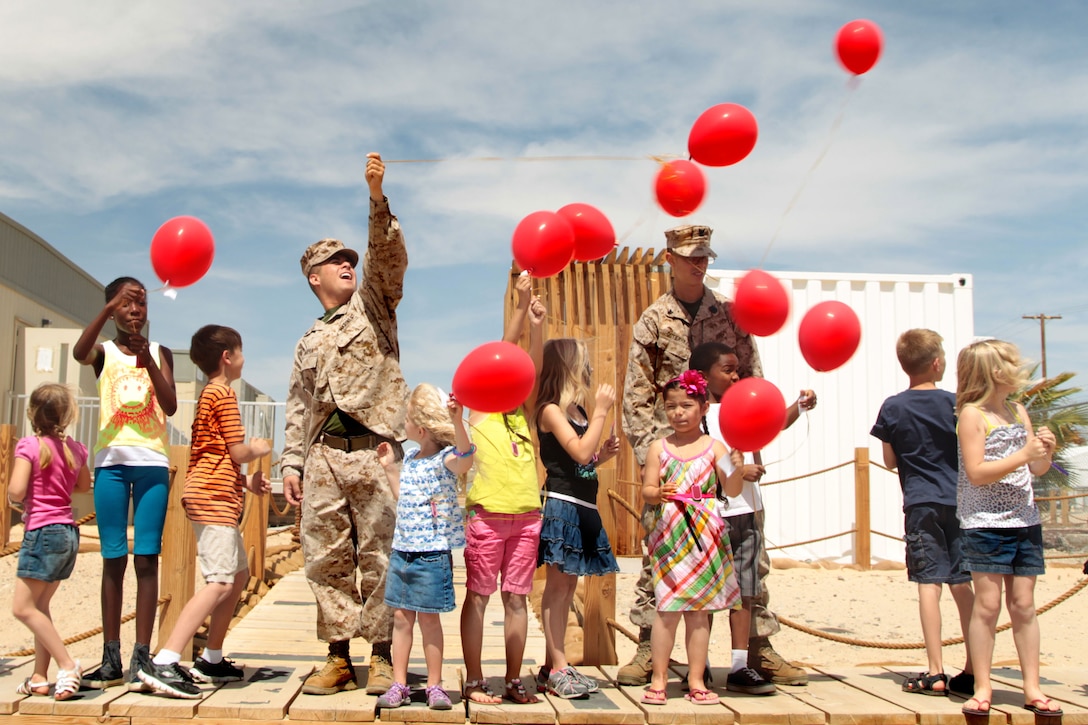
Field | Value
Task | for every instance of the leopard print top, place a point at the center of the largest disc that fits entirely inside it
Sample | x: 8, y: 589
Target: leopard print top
x: 1005, y: 504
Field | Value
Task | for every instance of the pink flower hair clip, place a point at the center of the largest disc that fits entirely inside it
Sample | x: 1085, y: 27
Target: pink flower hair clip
x: 692, y: 382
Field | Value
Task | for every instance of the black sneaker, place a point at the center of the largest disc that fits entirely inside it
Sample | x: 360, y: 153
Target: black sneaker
x: 222, y: 671
x: 171, y: 679
x: 749, y: 682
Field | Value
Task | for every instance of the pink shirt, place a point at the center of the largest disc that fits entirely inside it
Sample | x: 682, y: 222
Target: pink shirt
x: 49, y: 493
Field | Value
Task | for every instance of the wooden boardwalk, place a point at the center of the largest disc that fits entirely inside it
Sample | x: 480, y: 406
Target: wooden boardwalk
x: 278, y: 646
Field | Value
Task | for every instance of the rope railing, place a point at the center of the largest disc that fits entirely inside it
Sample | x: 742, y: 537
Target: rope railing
x: 29, y: 651
x: 812, y: 541
x: 920, y: 645
x: 810, y: 474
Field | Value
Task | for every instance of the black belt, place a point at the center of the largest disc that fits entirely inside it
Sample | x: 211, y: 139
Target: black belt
x: 355, y: 443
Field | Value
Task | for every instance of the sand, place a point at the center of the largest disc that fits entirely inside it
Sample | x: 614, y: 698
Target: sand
x: 879, y: 606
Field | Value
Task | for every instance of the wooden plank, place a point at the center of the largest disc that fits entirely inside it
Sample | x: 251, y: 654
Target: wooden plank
x: 608, y: 706
x: 18, y: 719
x: 347, y: 706
x: 12, y: 672
x: 888, y: 685
x: 1063, y: 684
x: 85, y: 703
x: 178, y: 561
x: 677, y: 711
x: 155, y: 706
x: 264, y: 693
x: 8, y: 439
x: 846, y: 705
x: 509, y: 713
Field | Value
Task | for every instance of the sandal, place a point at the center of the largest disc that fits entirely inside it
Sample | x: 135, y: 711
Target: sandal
x: 517, y: 694
x: 26, y: 687
x: 924, y: 682
x: 480, y: 687
x: 68, y: 682
x: 977, y: 710
x: 1041, y: 707
x: 702, y: 697
x: 651, y: 696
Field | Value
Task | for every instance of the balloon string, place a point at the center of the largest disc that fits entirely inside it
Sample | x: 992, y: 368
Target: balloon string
x: 654, y: 157
x: 851, y: 85
x: 804, y: 439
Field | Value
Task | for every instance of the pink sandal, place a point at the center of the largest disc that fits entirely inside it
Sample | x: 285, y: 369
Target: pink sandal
x: 651, y: 696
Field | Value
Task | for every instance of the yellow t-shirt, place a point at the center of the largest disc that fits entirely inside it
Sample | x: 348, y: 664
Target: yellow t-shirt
x: 129, y: 413
x: 506, y: 480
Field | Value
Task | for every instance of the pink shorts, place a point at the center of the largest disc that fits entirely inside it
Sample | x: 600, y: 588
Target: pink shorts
x: 505, y: 543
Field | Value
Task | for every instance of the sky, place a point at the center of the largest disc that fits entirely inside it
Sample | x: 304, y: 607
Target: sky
x: 962, y: 151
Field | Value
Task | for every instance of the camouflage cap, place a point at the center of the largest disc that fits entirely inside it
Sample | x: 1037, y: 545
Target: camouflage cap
x: 690, y: 240
x: 318, y: 252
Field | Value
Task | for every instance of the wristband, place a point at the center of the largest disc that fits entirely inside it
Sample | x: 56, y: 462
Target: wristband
x: 466, y: 454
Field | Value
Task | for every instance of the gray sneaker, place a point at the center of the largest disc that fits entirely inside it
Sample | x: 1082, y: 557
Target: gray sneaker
x: 590, y: 683
x: 564, y: 683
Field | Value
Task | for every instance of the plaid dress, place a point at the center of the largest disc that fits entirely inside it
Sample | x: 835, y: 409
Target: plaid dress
x: 689, y: 543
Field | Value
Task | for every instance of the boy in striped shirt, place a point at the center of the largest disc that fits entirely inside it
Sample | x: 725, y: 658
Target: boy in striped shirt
x: 213, y: 502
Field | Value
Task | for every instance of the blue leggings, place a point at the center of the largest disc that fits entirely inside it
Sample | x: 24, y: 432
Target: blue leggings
x: 149, y: 487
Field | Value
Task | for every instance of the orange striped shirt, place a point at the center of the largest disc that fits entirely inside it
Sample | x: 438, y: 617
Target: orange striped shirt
x: 214, y: 487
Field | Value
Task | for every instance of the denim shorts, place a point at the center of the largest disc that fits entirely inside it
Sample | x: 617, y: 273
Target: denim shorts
x: 49, y: 553
x: 934, y: 545
x: 1017, y: 551
x: 420, y: 581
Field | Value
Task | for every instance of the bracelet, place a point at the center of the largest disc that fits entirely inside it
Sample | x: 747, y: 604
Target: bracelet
x: 466, y: 454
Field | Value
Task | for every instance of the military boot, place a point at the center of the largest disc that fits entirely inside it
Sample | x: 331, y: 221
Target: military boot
x: 380, y: 674
x: 337, y: 674
x: 639, y: 669
x: 772, y: 666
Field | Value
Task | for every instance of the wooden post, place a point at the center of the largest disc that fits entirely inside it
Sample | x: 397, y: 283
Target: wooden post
x: 177, y: 569
x: 7, y: 453
x: 862, y: 538
x: 255, y: 519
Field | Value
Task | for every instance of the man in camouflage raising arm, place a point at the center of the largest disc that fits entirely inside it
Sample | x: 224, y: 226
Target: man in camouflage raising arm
x: 347, y: 395
x: 668, y: 330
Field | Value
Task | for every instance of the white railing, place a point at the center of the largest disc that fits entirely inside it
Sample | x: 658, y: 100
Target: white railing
x: 261, y: 420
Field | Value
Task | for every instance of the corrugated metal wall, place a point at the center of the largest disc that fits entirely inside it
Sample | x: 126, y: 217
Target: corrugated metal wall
x: 849, y: 399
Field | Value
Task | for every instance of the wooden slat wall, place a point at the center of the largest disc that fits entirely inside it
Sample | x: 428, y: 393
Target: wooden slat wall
x: 599, y: 303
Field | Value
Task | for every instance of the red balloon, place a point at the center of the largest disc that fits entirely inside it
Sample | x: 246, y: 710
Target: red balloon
x: 680, y: 187
x: 593, y: 233
x: 752, y: 414
x: 761, y: 304
x: 723, y: 135
x: 496, y: 377
x: 858, y: 45
x: 543, y: 243
x: 182, y: 251
x: 829, y: 335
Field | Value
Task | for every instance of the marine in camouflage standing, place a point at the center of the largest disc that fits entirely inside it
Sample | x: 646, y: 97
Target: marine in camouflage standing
x: 347, y: 395
x: 668, y: 330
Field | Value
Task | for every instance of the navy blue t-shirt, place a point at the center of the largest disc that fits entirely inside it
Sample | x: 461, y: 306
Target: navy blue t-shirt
x: 920, y: 426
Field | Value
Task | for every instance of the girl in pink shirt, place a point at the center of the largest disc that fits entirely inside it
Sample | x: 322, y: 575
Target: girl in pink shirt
x: 48, y: 466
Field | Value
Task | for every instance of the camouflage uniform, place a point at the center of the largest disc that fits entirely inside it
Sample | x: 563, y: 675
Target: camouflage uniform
x: 350, y: 361
x: 661, y: 346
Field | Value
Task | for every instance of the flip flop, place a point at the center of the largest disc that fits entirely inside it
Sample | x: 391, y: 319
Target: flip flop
x: 702, y: 697
x: 1044, y: 711
x: 978, y: 711
x: 651, y: 696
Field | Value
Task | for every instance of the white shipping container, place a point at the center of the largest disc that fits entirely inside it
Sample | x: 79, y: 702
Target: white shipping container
x: 849, y: 399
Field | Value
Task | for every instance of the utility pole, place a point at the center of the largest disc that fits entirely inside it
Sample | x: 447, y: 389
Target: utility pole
x: 1042, y: 318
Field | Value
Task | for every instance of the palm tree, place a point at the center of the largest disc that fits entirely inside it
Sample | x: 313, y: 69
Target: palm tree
x: 1051, y: 405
